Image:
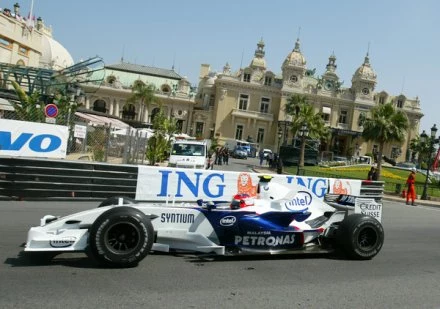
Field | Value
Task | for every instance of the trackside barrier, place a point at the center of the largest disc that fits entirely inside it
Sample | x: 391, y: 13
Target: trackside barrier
x: 41, y: 178
x: 369, y: 189
x: 27, y: 178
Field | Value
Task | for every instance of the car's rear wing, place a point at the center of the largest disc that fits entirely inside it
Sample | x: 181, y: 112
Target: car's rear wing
x: 356, y: 204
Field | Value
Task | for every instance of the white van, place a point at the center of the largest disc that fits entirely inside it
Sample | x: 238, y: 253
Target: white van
x: 189, y: 154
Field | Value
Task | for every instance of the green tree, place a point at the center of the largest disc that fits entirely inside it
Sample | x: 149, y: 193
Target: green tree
x: 30, y: 107
x: 304, y: 114
x: 144, y: 94
x: 159, y: 144
x: 419, y: 148
x: 386, y: 124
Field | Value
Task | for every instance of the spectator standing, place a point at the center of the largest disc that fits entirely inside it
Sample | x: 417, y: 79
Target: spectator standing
x: 226, y: 155
x: 411, y: 181
x: 372, y: 174
x: 261, y: 156
x: 220, y: 156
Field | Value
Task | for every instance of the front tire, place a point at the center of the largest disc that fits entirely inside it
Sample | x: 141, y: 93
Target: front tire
x: 120, y: 237
x: 361, y: 236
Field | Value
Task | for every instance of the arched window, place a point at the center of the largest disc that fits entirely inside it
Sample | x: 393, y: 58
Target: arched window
x: 129, y: 112
x: 111, y: 79
x: 154, y: 113
x: 165, y: 88
x: 138, y: 82
x: 99, y: 106
x: 21, y: 62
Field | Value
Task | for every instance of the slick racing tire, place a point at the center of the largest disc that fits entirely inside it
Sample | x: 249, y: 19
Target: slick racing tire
x: 120, y: 237
x: 114, y: 200
x: 361, y: 236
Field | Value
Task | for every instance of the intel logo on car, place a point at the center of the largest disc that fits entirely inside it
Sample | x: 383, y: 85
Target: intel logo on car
x: 63, y: 242
x: 228, y: 221
x: 302, y: 199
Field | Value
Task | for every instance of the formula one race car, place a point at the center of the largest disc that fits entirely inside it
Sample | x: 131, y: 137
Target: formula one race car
x: 121, y: 232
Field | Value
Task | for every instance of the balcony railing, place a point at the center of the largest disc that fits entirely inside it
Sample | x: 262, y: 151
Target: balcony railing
x: 252, y: 114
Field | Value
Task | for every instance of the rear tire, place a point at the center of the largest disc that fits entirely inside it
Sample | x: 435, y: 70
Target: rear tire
x: 114, y: 200
x: 120, y: 237
x: 361, y: 236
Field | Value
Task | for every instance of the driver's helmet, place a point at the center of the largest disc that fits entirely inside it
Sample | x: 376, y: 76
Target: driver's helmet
x: 241, y: 200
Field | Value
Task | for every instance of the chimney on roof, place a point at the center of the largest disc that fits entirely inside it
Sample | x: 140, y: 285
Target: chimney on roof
x: 204, y: 70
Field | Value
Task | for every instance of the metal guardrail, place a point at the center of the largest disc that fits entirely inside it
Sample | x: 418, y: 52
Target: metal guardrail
x: 41, y: 178
x: 369, y: 189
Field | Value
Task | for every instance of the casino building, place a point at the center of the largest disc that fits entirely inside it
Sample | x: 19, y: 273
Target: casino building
x: 28, y: 54
x: 246, y: 103
x: 249, y: 103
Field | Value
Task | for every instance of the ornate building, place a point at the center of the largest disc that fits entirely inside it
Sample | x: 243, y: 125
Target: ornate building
x: 110, y: 97
x: 26, y: 43
x: 28, y: 54
x: 246, y: 104
x: 249, y: 104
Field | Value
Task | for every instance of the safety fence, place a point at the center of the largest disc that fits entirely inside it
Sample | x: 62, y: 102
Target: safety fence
x: 41, y: 178
x: 24, y: 178
x: 95, y: 137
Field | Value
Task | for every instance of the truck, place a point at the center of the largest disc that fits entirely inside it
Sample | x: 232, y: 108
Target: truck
x: 289, y: 154
x: 190, y: 154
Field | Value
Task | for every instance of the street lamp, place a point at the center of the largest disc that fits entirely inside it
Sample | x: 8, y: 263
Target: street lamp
x: 303, y: 132
x: 285, y: 125
x: 280, y: 134
x: 431, y: 141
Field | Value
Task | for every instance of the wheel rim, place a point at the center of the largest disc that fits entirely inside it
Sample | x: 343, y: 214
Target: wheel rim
x: 122, y: 238
x: 367, y: 238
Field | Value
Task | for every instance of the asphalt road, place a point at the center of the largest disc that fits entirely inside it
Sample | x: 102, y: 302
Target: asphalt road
x: 405, y: 274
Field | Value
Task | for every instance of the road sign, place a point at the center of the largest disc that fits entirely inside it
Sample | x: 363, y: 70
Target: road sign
x: 51, y: 110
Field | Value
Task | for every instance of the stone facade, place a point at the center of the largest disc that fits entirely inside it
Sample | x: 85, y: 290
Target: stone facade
x: 110, y: 97
x: 249, y: 103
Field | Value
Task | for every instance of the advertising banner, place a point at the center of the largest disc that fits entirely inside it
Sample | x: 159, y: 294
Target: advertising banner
x: 164, y: 183
x: 345, y: 186
x: 32, y: 139
x: 368, y: 206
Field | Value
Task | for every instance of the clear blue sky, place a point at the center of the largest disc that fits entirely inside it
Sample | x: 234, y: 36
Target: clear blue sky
x: 403, y: 36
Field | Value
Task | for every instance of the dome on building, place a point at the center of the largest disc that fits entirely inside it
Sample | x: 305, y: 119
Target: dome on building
x: 365, y: 71
x: 295, y: 57
x: 258, y: 62
x: 54, y: 55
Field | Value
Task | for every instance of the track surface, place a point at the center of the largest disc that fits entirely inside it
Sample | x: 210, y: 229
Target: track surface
x: 405, y: 274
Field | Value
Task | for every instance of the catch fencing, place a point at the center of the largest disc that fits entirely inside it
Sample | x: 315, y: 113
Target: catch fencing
x: 96, y: 138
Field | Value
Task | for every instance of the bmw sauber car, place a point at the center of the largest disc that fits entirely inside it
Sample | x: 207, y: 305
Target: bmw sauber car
x: 121, y: 232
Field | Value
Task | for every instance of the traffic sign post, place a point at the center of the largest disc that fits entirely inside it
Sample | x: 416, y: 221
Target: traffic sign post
x: 51, y: 110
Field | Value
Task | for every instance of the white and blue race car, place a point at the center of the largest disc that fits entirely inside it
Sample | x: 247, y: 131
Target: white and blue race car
x: 121, y: 232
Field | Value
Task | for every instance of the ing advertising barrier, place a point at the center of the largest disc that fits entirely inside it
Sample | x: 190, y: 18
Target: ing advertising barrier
x: 164, y: 183
x: 32, y: 139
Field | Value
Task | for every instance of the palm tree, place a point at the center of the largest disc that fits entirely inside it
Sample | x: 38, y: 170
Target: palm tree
x: 385, y: 125
x: 30, y: 108
x: 144, y: 94
x: 303, y: 114
x: 160, y: 143
x: 418, y: 148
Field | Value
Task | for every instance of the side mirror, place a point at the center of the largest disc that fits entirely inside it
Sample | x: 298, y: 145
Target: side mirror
x: 210, y: 205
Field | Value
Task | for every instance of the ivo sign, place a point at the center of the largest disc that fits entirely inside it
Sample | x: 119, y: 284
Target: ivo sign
x: 30, y: 139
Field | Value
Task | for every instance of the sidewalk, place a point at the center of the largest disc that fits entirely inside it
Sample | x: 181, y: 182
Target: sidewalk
x: 386, y: 197
x: 418, y: 202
